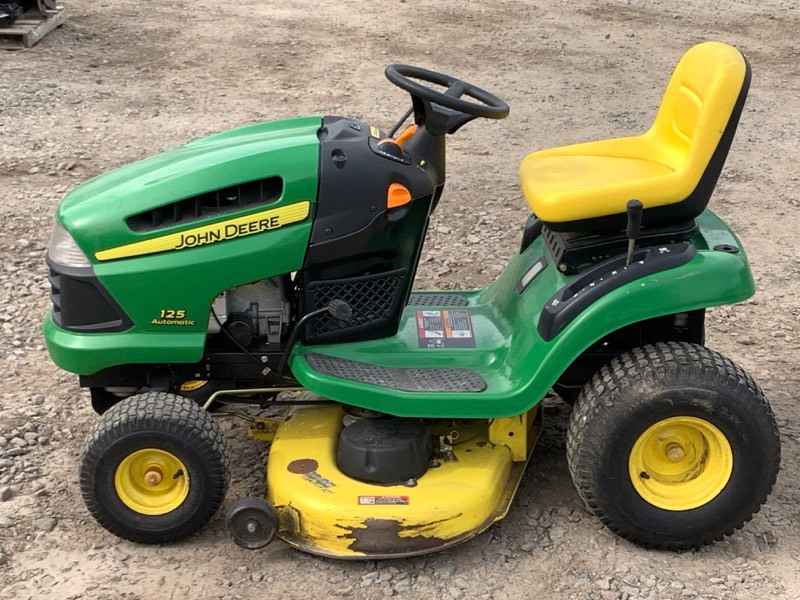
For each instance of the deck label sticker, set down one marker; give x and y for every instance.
(445, 329)
(383, 500)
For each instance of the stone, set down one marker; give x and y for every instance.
(6, 493)
(677, 585)
(632, 591)
(603, 583)
(444, 570)
(455, 592)
(45, 524)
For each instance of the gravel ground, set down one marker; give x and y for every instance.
(122, 80)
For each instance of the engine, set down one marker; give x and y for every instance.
(257, 311)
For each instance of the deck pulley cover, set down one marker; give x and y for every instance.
(385, 451)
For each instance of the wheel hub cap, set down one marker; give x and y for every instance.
(675, 452)
(151, 481)
(680, 463)
(153, 476)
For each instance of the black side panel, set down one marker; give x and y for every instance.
(374, 300)
(81, 303)
(575, 251)
(360, 251)
(571, 300)
(355, 177)
(215, 366)
(533, 229)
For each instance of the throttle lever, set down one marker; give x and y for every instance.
(634, 211)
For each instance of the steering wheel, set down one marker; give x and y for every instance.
(408, 78)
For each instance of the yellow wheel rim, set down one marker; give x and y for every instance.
(193, 385)
(151, 481)
(680, 463)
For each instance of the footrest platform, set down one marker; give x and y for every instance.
(403, 379)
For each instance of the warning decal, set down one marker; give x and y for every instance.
(391, 500)
(445, 329)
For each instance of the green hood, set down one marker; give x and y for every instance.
(95, 212)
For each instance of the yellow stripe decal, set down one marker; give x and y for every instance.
(259, 222)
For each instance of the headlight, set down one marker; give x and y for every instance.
(64, 251)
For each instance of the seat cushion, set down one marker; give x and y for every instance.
(671, 169)
(578, 187)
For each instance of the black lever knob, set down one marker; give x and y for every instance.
(340, 309)
(634, 211)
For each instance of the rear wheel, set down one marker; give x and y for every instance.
(673, 446)
(154, 468)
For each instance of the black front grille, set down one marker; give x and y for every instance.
(374, 300)
(55, 294)
(211, 204)
(81, 303)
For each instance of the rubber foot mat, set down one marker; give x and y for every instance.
(437, 300)
(406, 380)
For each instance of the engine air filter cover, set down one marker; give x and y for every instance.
(385, 451)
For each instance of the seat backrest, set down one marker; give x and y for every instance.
(697, 119)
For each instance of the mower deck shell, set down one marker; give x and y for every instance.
(324, 512)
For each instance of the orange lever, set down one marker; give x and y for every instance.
(407, 133)
(397, 195)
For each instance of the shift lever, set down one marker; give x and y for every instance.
(634, 211)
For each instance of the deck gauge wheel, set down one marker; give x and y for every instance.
(252, 522)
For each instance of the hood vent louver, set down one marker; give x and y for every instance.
(211, 204)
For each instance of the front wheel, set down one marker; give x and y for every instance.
(673, 446)
(154, 468)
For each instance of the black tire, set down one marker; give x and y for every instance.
(155, 468)
(639, 402)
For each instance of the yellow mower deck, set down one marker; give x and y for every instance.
(324, 512)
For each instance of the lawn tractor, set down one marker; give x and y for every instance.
(273, 264)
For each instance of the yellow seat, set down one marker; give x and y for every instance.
(672, 168)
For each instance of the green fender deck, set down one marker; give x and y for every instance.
(517, 365)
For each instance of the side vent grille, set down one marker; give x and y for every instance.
(211, 204)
